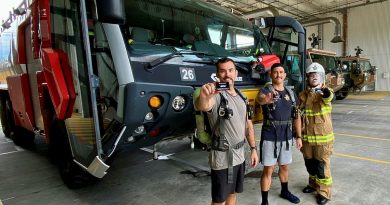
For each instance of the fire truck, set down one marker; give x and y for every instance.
(358, 73)
(92, 77)
(334, 76)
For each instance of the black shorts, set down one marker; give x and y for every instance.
(220, 189)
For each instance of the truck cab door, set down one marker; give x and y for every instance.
(79, 124)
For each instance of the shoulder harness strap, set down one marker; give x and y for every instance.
(249, 110)
(291, 94)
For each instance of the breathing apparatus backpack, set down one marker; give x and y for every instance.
(203, 128)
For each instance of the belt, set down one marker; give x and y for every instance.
(277, 122)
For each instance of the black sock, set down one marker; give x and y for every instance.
(284, 186)
(264, 196)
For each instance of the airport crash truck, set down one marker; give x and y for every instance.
(334, 77)
(91, 77)
(358, 73)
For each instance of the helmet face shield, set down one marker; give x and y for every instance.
(315, 74)
(315, 79)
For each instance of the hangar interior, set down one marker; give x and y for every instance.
(362, 23)
(170, 171)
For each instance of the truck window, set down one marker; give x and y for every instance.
(157, 27)
(65, 30)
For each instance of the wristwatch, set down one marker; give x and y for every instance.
(254, 148)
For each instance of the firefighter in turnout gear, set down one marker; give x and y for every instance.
(317, 132)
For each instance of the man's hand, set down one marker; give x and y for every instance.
(205, 100)
(254, 158)
(326, 92)
(266, 97)
(298, 143)
(208, 90)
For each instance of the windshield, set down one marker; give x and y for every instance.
(329, 62)
(160, 27)
(365, 65)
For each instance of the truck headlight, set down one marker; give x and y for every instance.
(139, 129)
(149, 116)
(178, 103)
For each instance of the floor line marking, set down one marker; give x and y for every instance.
(362, 158)
(18, 148)
(5, 153)
(365, 137)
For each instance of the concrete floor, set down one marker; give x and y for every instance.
(361, 169)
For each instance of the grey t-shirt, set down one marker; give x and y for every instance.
(234, 131)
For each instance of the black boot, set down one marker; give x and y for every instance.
(321, 199)
(308, 189)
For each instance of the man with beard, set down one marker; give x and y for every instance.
(317, 130)
(228, 117)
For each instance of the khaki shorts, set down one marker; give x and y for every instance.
(283, 156)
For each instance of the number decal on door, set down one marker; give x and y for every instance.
(187, 74)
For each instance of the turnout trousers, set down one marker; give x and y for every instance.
(317, 162)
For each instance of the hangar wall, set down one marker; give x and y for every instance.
(368, 28)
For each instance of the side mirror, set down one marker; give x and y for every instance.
(111, 11)
(261, 50)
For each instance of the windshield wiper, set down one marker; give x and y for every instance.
(162, 59)
(240, 67)
(244, 66)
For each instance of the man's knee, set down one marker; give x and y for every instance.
(267, 171)
(283, 168)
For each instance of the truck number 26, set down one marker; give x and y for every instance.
(187, 74)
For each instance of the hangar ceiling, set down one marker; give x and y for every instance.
(298, 9)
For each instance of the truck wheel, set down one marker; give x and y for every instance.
(72, 174)
(342, 94)
(7, 117)
(19, 135)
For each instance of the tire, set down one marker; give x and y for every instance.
(7, 117)
(19, 135)
(71, 173)
(342, 94)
